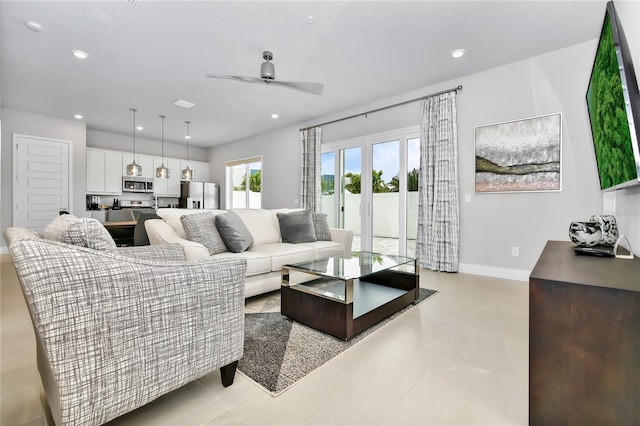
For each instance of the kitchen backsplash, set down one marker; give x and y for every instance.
(132, 201)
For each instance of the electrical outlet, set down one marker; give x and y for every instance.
(467, 198)
(515, 251)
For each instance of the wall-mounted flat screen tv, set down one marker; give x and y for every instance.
(613, 103)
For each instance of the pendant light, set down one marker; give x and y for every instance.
(187, 173)
(162, 171)
(134, 169)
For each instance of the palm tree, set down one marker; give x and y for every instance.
(378, 183)
(355, 182)
(255, 182)
(412, 181)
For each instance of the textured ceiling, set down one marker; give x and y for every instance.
(150, 55)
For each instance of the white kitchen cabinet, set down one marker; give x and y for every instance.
(167, 187)
(146, 161)
(103, 172)
(201, 170)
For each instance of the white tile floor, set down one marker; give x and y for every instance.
(460, 358)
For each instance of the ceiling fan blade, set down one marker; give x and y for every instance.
(303, 86)
(237, 78)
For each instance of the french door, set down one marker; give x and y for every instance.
(369, 185)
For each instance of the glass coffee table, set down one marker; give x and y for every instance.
(343, 296)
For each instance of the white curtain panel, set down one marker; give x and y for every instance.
(310, 178)
(437, 244)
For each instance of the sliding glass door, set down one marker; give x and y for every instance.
(370, 187)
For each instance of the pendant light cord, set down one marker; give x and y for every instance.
(162, 117)
(188, 137)
(134, 133)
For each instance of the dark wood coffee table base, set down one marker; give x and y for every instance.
(335, 317)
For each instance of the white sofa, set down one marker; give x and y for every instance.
(265, 257)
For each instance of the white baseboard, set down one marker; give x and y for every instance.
(492, 271)
(4, 250)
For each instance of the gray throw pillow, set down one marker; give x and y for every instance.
(296, 227)
(88, 232)
(233, 231)
(321, 225)
(201, 228)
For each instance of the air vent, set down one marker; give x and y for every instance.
(133, 3)
(183, 104)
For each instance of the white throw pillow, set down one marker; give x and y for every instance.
(57, 228)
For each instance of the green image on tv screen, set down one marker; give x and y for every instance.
(609, 121)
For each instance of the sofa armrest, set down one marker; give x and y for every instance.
(118, 332)
(160, 232)
(343, 236)
(164, 252)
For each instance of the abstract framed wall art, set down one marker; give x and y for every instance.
(519, 155)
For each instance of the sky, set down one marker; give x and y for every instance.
(385, 157)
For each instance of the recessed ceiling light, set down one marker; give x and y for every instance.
(274, 116)
(80, 54)
(78, 117)
(458, 53)
(139, 128)
(183, 104)
(33, 26)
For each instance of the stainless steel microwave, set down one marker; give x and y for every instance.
(137, 184)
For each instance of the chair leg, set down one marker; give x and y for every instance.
(228, 372)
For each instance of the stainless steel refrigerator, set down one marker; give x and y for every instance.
(199, 195)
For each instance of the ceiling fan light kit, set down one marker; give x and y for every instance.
(267, 69)
(268, 75)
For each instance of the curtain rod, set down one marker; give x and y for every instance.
(453, 89)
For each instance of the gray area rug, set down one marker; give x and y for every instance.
(278, 351)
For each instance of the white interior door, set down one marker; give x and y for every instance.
(41, 184)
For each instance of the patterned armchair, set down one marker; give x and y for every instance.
(117, 329)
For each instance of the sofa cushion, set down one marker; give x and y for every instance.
(296, 227)
(233, 231)
(321, 226)
(284, 253)
(324, 249)
(57, 228)
(260, 224)
(202, 229)
(90, 233)
(257, 263)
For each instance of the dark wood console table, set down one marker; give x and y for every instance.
(584, 339)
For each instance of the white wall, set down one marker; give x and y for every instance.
(28, 123)
(106, 140)
(492, 223)
(280, 153)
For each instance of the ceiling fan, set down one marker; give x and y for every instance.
(268, 74)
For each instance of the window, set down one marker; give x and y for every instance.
(244, 183)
